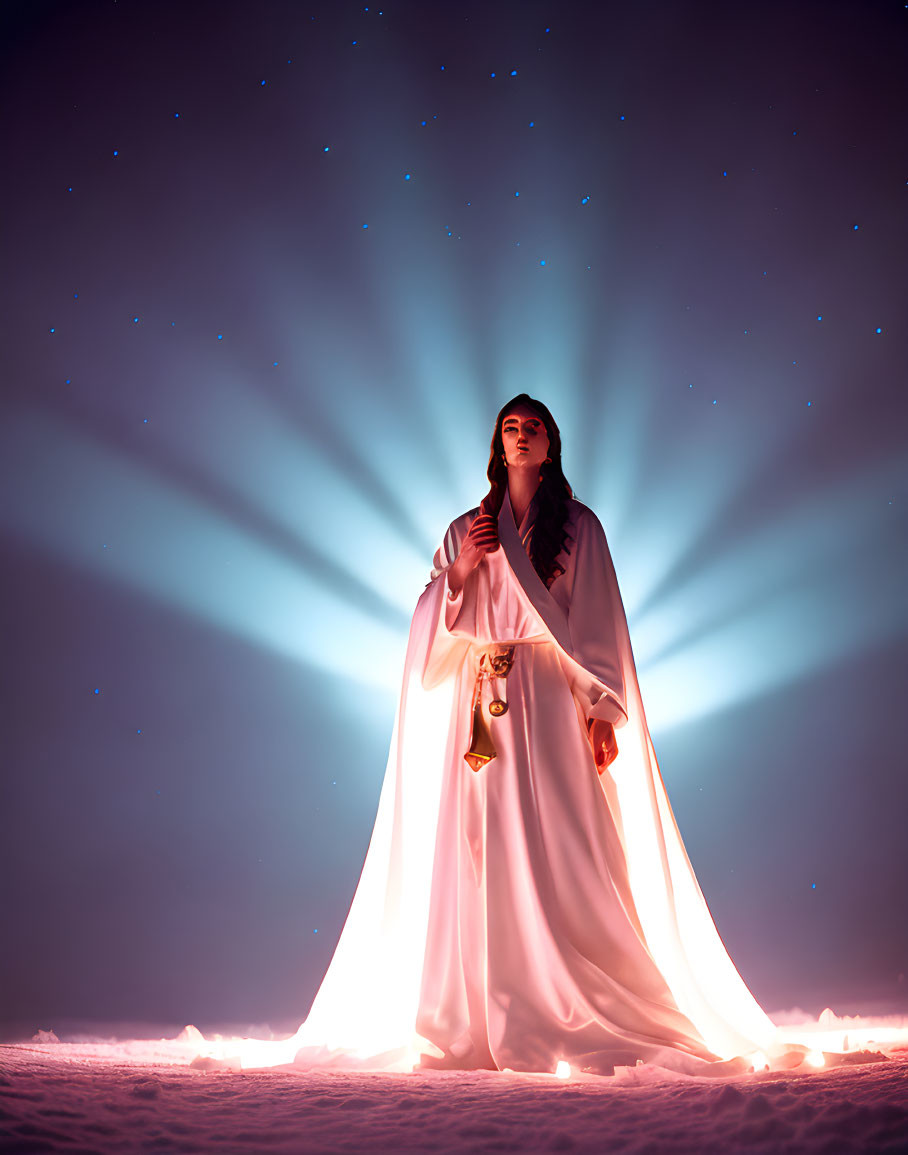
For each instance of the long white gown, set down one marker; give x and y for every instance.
(533, 911)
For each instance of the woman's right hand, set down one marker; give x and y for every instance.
(481, 539)
(603, 741)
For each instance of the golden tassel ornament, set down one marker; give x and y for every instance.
(482, 748)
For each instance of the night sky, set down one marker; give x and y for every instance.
(269, 271)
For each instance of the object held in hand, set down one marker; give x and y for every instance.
(484, 531)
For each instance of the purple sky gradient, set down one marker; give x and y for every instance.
(257, 321)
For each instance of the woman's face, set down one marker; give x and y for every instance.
(526, 443)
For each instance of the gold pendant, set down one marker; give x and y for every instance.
(497, 707)
(482, 748)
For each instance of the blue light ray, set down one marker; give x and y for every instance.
(692, 479)
(790, 635)
(438, 378)
(539, 334)
(297, 484)
(393, 438)
(99, 509)
(805, 544)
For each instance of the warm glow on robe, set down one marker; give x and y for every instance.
(366, 1009)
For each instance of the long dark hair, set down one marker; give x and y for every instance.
(550, 534)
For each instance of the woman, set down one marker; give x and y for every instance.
(526, 898)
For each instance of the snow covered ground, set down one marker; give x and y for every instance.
(95, 1098)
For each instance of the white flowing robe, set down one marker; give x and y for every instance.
(533, 911)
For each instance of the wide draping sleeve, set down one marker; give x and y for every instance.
(585, 616)
(446, 646)
(364, 1013)
(588, 592)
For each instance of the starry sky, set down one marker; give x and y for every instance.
(269, 272)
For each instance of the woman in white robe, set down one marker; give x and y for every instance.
(532, 902)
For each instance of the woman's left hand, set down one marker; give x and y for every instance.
(604, 743)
